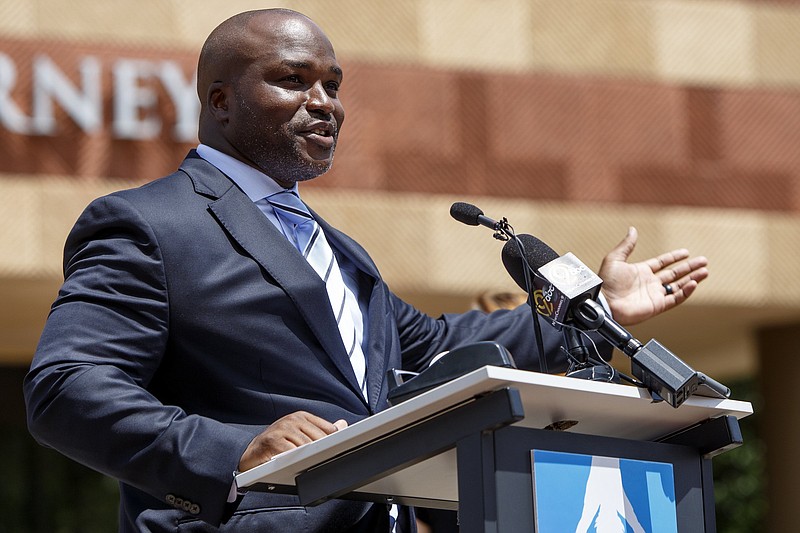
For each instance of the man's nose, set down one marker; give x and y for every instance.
(318, 99)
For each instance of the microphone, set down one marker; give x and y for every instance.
(561, 283)
(473, 216)
(534, 252)
(565, 293)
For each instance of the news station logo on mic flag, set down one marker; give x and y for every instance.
(560, 282)
(597, 494)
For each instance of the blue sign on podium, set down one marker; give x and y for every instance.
(597, 494)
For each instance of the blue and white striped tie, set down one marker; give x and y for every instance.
(308, 238)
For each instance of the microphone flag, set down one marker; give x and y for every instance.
(561, 284)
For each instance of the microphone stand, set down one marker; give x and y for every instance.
(580, 366)
(504, 232)
(537, 328)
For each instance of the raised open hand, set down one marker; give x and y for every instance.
(638, 291)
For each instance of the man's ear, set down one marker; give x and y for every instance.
(217, 98)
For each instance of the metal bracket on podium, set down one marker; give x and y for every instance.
(710, 437)
(407, 446)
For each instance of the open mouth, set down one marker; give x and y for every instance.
(320, 136)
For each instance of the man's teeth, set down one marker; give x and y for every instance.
(320, 132)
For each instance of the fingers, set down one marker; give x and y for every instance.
(680, 281)
(665, 260)
(680, 294)
(300, 428)
(673, 273)
(624, 249)
(286, 433)
(678, 274)
(688, 289)
(678, 291)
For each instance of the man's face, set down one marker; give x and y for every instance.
(284, 110)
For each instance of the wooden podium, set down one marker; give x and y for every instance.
(467, 445)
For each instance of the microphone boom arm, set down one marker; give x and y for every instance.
(590, 315)
(663, 373)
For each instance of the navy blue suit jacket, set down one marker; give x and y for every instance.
(186, 324)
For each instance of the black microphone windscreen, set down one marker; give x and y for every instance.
(465, 213)
(536, 253)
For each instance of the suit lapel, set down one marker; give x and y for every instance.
(380, 342)
(248, 226)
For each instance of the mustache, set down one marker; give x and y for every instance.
(327, 123)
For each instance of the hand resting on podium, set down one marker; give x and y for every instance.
(286, 433)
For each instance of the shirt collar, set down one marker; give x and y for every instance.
(255, 184)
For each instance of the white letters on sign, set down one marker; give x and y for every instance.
(136, 102)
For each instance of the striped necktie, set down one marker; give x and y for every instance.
(307, 236)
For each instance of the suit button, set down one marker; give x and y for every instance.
(184, 505)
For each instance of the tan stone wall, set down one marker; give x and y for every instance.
(529, 135)
(708, 42)
(572, 118)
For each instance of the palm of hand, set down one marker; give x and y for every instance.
(636, 291)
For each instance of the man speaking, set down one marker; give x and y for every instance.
(209, 320)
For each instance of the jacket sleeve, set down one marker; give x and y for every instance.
(422, 337)
(87, 390)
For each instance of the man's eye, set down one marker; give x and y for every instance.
(293, 79)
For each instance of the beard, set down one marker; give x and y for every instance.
(290, 160)
(280, 152)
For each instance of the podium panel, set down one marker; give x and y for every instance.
(501, 497)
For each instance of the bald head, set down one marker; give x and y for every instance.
(268, 84)
(237, 41)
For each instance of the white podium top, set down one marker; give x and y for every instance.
(603, 409)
